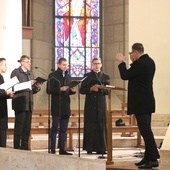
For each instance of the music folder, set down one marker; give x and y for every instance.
(40, 80)
(93, 82)
(73, 83)
(111, 87)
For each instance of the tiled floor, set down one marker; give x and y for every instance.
(123, 158)
(119, 154)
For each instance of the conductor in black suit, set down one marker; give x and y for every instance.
(141, 101)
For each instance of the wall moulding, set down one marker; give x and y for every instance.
(27, 32)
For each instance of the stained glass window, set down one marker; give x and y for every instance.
(77, 34)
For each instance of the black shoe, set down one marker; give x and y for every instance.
(53, 152)
(63, 152)
(143, 161)
(148, 165)
(100, 153)
(89, 152)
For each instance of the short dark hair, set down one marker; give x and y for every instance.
(61, 60)
(96, 59)
(138, 47)
(24, 57)
(2, 59)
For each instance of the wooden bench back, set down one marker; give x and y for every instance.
(40, 118)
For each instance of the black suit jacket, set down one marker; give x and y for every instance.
(23, 100)
(140, 86)
(3, 106)
(60, 101)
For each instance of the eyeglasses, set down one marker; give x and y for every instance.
(96, 63)
(28, 62)
(131, 52)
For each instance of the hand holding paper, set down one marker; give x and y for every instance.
(10, 93)
(10, 83)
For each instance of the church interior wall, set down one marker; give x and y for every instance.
(124, 22)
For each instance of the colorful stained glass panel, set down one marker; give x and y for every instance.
(62, 7)
(77, 61)
(77, 34)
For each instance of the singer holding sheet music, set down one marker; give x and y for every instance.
(94, 139)
(58, 87)
(22, 103)
(4, 95)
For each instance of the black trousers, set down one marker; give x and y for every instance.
(3, 138)
(22, 129)
(63, 124)
(144, 125)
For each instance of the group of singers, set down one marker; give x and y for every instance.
(141, 103)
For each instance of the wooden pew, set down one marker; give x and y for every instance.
(40, 126)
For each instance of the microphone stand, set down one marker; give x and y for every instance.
(102, 156)
(49, 113)
(79, 117)
(79, 84)
(42, 71)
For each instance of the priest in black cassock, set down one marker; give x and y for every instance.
(94, 139)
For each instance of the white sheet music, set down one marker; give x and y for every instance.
(10, 83)
(23, 86)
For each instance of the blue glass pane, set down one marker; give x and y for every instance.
(95, 33)
(95, 53)
(92, 33)
(90, 54)
(59, 32)
(61, 52)
(88, 60)
(94, 5)
(77, 61)
(61, 7)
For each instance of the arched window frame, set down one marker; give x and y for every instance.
(77, 34)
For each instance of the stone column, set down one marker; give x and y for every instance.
(10, 36)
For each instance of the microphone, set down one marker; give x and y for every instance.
(39, 68)
(42, 71)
